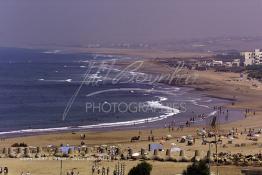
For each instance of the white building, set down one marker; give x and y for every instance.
(252, 58)
(228, 64)
(236, 63)
(217, 63)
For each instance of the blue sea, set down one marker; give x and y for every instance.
(51, 90)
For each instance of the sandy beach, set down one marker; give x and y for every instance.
(50, 167)
(140, 53)
(122, 139)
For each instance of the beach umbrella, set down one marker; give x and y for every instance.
(135, 155)
(169, 136)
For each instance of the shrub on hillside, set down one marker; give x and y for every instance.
(143, 168)
(197, 168)
(19, 145)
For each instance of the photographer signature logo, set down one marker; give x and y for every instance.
(133, 70)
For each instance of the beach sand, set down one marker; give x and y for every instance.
(122, 139)
(52, 167)
(141, 53)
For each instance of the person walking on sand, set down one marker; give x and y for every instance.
(103, 171)
(98, 171)
(107, 171)
(5, 170)
(93, 169)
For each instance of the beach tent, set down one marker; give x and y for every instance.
(135, 155)
(51, 146)
(168, 137)
(175, 149)
(189, 137)
(155, 146)
(65, 149)
(201, 132)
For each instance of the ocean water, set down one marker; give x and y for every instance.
(42, 90)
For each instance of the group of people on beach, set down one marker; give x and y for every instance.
(72, 173)
(98, 170)
(4, 170)
(248, 111)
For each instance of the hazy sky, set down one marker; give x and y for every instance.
(83, 21)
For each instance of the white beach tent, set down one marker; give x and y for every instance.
(174, 148)
(135, 155)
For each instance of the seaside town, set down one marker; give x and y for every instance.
(226, 61)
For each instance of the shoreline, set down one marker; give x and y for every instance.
(194, 87)
(105, 127)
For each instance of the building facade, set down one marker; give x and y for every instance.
(252, 58)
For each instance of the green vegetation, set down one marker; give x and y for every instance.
(143, 168)
(19, 145)
(254, 71)
(197, 168)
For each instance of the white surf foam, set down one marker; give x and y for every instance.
(96, 126)
(136, 73)
(25, 131)
(67, 80)
(212, 113)
(158, 105)
(128, 123)
(208, 101)
(154, 104)
(95, 76)
(52, 51)
(195, 102)
(162, 98)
